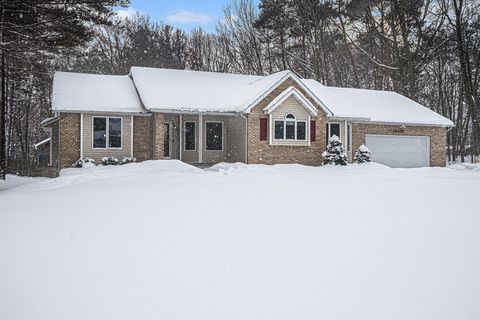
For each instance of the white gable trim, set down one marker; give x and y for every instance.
(292, 75)
(291, 92)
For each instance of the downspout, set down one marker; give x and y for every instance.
(246, 136)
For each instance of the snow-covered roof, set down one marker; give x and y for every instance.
(181, 90)
(77, 92)
(193, 91)
(375, 106)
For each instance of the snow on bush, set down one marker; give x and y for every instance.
(84, 163)
(363, 155)
(335, 153)
(127, 160)
(109, 161)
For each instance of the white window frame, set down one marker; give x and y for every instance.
(295, 120)
(339, 130)
(50, 151)
(107, 138)
(223, 136)
(184, 142)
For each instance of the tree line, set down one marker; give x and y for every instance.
(428, 50)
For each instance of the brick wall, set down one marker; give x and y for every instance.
(142, 138)
(262, 152)
(69, 128)
(438, 137)
(158, 120)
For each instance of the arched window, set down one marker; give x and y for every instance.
(290, 128)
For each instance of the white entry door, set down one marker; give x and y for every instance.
(399, 151)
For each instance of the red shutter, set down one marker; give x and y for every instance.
(313, 131)
(263, 129)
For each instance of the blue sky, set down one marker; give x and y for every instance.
(183, 14)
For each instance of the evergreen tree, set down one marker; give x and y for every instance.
(335, 153)
(363, 154)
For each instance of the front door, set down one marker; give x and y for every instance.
(167, 137)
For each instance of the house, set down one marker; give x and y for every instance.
(204, 118)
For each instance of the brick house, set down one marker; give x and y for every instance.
(205, 118)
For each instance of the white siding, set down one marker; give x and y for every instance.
(98, 154)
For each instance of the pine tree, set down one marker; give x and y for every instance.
(335, 153)
(363, 154)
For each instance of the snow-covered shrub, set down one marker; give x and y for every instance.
(109, 161)
(126, 160)
(84, 163)
(335, 153)
(363, 155)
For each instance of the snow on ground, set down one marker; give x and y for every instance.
(13, 181)
(163, 240)
(464, 166)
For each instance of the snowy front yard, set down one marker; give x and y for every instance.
(163, 240)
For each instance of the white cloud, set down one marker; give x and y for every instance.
(187, 17)
(127, 13)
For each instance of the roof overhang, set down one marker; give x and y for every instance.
(291, 92)
(411, 124)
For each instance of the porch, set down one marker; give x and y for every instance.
(204, 139)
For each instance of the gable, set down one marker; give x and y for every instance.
(290, 105)
(280, 87)
(294, 98)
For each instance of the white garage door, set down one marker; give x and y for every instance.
(399, 151)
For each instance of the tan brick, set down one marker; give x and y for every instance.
(142, 138)
(438, 137)
(69, 128)
(262, 152)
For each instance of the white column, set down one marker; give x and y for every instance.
(180, 138)
(131, 136)
(200, 138)
(81, 135)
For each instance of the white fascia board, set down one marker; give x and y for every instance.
(292, 75)
(194, 112)
(291, 91)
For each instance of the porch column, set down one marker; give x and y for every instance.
(200, 138)
(180, 138)
(158, 120)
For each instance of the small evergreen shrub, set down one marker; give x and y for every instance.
(109, 161)
(363, 155)
(84, 163)
(335, 153)
(127, 160)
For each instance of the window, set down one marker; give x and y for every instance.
(333, 129)
(99, 132)
(290, 129)
(190, 135)
(115, 133)
(349, 137)
(214, 136)
(279, 129)
(301, 130)
(107, 132)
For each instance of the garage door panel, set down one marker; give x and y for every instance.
(399, 151)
